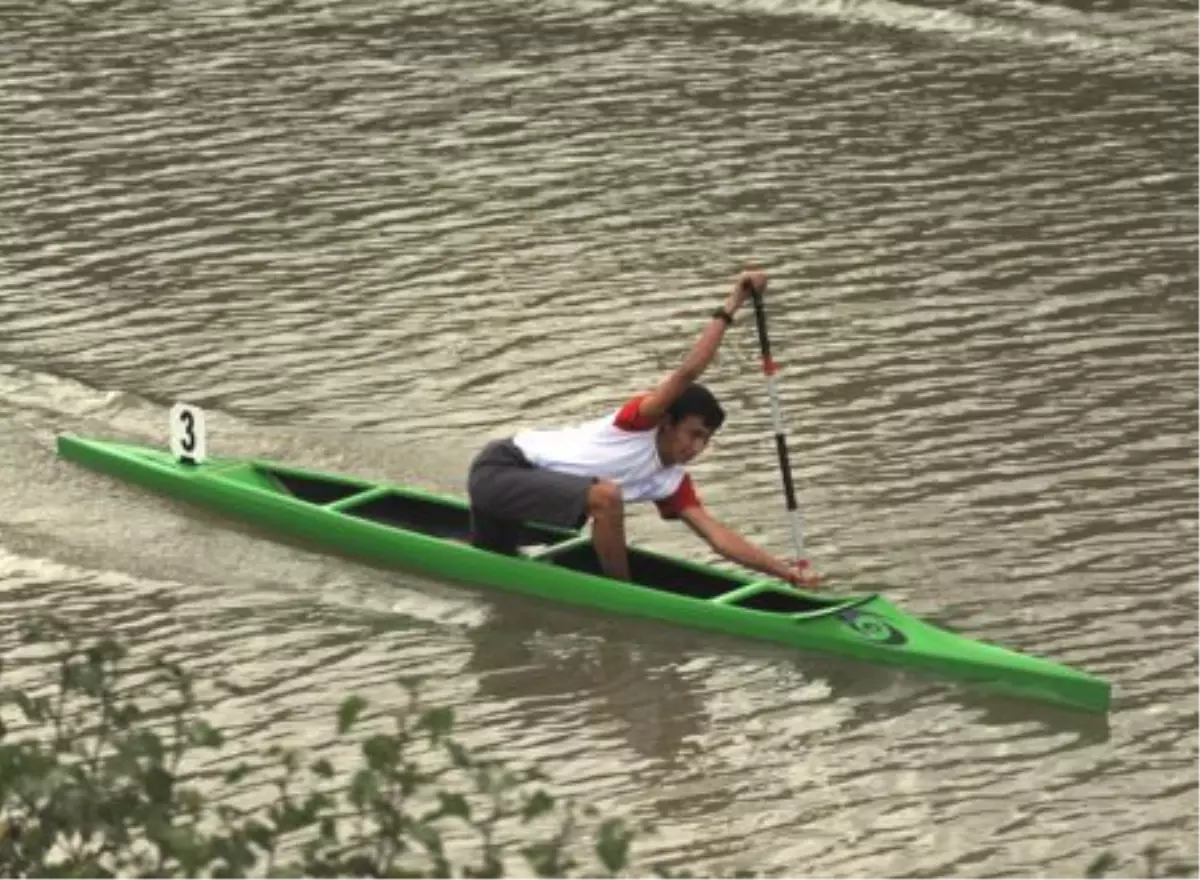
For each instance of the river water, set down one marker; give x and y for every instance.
(367, 236)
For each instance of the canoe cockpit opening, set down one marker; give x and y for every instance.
(415, 513)
(315, 490)
(650, 570)
(769, 599)
(423, 515)
(447, 520)
(666, 575)
(431, 516)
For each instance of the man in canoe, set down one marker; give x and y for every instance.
(566, 476)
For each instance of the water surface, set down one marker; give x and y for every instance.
(369, 236)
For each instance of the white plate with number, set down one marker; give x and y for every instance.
(188, 442)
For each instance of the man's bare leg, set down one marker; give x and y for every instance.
(607, 510)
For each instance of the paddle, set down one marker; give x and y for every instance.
(785, 469)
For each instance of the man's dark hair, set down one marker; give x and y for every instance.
(697, 400)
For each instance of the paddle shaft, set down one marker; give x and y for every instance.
(785, 468)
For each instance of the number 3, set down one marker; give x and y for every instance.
(187, 433)
(189, 430)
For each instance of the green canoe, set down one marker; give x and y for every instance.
(425, 532)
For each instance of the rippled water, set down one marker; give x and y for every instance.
(367, 236)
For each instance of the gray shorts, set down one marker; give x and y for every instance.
(505, 490)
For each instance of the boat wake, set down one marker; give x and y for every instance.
(1019, 22)
(66, 400)
(43, 400)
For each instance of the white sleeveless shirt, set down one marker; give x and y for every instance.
(619, 447)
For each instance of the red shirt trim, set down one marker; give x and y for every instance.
(630, 418)
(680, 500)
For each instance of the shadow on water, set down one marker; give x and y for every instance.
(880, 694)
(544, 658)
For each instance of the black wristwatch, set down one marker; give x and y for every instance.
(723, 315)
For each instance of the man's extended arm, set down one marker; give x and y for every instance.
(655, 403)
(737, 549)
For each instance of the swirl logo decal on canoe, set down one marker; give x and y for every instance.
(872, 627)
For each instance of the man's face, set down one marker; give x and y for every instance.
(682, 441)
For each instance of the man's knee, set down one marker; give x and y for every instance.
(604, 500)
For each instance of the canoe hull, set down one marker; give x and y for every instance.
(424, 532)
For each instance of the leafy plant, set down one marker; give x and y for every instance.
(97, 786)
(1152, 857)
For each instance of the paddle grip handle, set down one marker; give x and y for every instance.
(760, 319)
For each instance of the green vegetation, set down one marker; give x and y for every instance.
(1153, 865)
(103, 781)
(98, 787)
